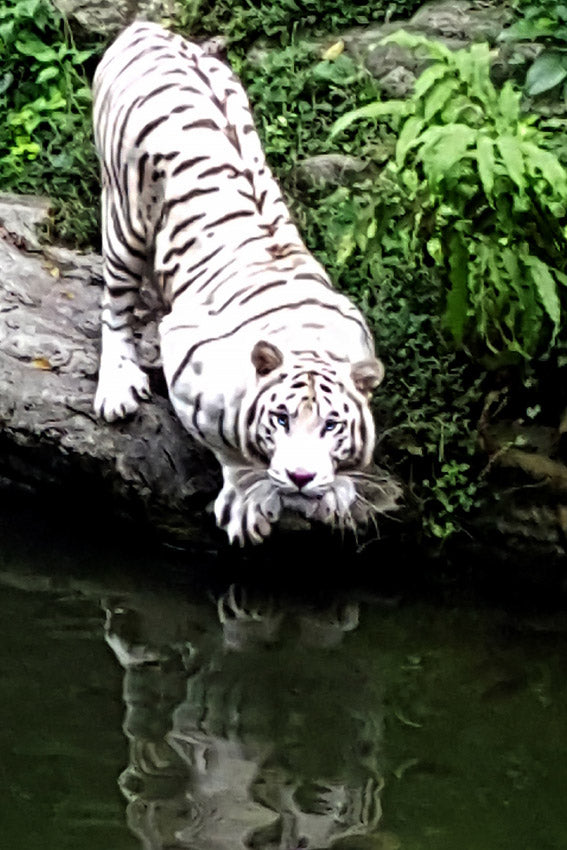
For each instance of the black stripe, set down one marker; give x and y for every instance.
(140, 255)
(188, 196)
(189, 163)
(218, 169)
(220, 105)
(254, 239)
(185, 223)
(142, 171)
(229, 217)
(117, 290)
(191, 90)
(226, 512)
(203, 77)
(201, 262)
(319, 278)
(232, 298)
(167, 156)
(157, 91)
(231, 134)
(178, 252)
(196, 410)
(149, 128)
(202, 124)
(212, 277)
(262, 289)
(222, 435)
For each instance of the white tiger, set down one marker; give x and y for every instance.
(266, 364)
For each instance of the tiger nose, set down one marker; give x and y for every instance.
(300, 477)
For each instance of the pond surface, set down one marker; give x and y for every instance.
(144, 708)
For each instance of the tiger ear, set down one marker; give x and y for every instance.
(367, 374)
(266, 357)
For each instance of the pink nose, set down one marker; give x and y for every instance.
(300, 477)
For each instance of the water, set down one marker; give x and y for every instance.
(145, 706)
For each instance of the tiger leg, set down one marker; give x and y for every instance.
(246, 513)
(335, 506)
(121, 382)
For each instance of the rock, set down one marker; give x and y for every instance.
(398, 82)
(49, 331)
(463, 20)
(332, 169)
(108, 18)
(21, 216)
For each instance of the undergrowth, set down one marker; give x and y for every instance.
(45, 134)
(244, 22)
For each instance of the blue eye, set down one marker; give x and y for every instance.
(330, 425)
(282, 420)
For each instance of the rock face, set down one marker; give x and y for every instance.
(49, 331)
(108, 18)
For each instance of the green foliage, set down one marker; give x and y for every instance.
(484, 199)
(245, 21)
(544, 22)
(296, 96)
(45, 99)
(431, 400)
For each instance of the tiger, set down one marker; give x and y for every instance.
(266, 364)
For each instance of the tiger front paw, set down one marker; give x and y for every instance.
(120, 389)
(246, 519)
(335, 506)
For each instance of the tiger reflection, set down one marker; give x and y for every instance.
(249, 736)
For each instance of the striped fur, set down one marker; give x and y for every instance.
(266, 363)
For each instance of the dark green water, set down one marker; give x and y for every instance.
(142, 708)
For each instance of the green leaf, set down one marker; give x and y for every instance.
(342, 70)
(548, 70)
(450, 147)
(509, 102)
(526, 30)
(429, 77)
(457, 298)
(438, 97)
(546, 288)
(378, 109)
(511, 153)
(78, 57)
(48, 73)
(485, 162)
(405, 39)
(538, 159)
(33, 46)
(410, 131)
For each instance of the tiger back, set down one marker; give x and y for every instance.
(265, 362)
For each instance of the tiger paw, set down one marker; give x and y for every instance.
(119, 390)
(245, 519)
(335, 506)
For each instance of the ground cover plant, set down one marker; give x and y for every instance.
(545, 23)
(45, 135)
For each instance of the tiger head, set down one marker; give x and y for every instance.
(308, 421)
